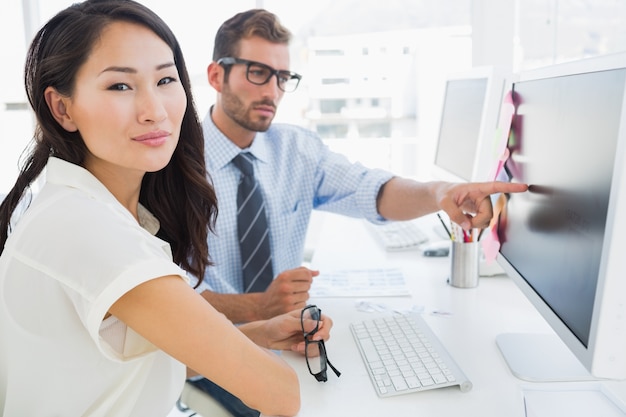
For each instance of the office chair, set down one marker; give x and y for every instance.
(194, 399)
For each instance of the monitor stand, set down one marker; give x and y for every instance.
(572, 391)
(541, 358)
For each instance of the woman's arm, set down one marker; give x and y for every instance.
(172, 316)
(285, 332)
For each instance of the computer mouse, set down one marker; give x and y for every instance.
(439, 248)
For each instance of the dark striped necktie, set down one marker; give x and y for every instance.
(254, 239)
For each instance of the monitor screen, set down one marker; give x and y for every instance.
(471, 103)
(556, 238)
(460, 126)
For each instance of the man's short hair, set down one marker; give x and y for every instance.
(254, 22)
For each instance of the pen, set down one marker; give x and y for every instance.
(480, 234)
(444, 226)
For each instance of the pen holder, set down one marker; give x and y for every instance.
(464, 262)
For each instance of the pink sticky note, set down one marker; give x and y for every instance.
(491, 241)
(491, 245)
(499, 164)
(501, 138)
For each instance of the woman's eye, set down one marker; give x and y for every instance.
(119, 87)
(167, 80)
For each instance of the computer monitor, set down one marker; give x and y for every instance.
(469, 115)
(563, 241)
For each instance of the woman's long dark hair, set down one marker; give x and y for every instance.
(180, 195)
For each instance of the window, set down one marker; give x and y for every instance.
(331, 81)
(329, 52)
(332, 131)
(388, 61)
(374, 129)
(332, 106)
(555, 31)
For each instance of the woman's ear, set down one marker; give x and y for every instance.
(57, 105)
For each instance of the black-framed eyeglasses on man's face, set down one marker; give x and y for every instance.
(315, 350)
(260, 74)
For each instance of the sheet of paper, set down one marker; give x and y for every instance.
(360, 283)
(570, 402)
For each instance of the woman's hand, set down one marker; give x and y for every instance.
(285, 332)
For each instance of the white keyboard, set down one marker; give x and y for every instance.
(402, 355)
(398, 236)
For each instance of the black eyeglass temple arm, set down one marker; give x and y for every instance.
(335, 370)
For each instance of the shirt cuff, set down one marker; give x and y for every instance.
(367, 194)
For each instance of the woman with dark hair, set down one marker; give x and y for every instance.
(96, 314)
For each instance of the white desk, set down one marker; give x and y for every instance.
(476, 316)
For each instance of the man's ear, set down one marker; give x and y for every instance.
(57, 105)
(215, 74)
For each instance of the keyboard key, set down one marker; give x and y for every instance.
(369, 350)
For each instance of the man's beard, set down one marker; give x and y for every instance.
(236, 110)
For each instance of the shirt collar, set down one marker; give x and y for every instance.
(223, 150)
(61, 172)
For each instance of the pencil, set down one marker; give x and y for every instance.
(444, 225)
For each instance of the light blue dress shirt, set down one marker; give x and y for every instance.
(297, 173)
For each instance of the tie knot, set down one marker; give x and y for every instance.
(243, 161)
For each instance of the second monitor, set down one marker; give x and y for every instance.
(469, 115)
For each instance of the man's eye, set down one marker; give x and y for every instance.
(258, 71)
